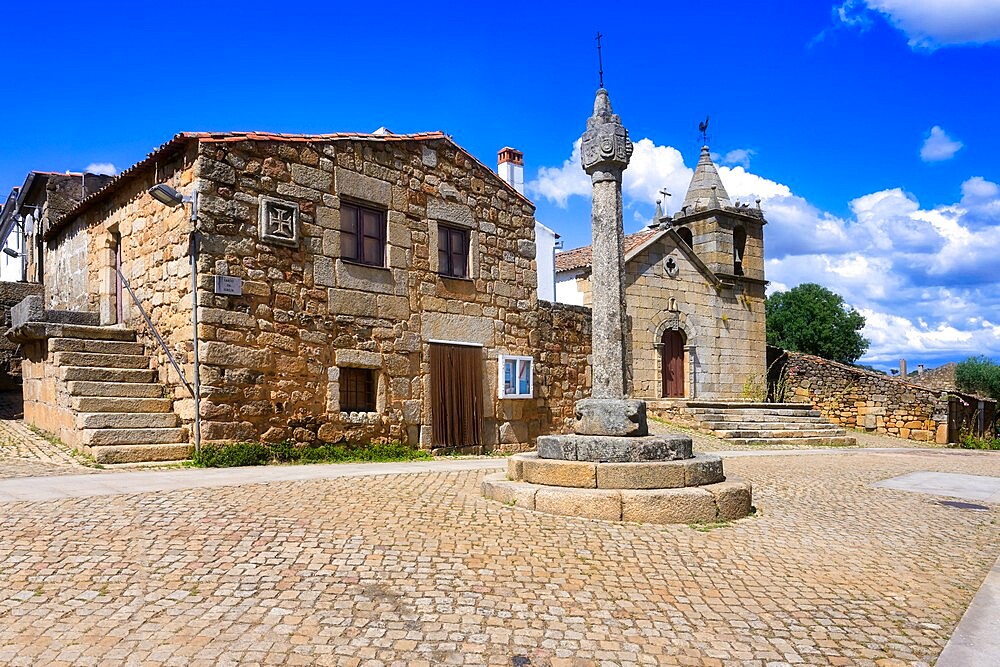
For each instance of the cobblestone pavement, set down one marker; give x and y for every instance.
(24, 453)
(418, 569)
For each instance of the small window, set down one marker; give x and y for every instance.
(453, 252)
(516, 377)
(362, 234)
(686, 236)
(357, 390)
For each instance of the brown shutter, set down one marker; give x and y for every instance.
(456, 395)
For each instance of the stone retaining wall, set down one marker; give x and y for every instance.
(872, 402)
(10, 358)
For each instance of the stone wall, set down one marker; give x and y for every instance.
(868, 401)
(10, 357)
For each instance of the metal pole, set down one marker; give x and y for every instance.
(194, 322)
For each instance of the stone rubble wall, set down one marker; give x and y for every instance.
(12, 293)
(872, 402)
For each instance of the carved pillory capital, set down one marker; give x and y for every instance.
(606, 147)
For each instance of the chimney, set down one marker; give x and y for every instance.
(920, 370)
(902, 367)
(510, 167)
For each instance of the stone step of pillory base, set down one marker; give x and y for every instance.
(614, 448)
(722, 501)
(698, 470)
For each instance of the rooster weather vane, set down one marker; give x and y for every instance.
(703, 128)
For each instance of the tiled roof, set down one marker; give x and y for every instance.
(182, 139)
(579, 258)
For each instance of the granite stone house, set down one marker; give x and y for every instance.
(694, 287)
(362, 286)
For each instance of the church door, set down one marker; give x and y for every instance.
(672, 363)
(456, 395)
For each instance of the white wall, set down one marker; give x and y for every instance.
(566, 288)
(11, 268)
(545, 253)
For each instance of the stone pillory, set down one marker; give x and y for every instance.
(606, 150)
(611, 468)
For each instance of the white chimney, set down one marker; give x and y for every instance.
(510, 167)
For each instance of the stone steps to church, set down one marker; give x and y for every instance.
(780, 435)
(771, 425)
(720, 417)
(839, 441)
(709, 413)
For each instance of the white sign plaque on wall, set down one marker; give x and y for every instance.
(229, 285)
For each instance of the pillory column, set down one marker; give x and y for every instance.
(605, 154)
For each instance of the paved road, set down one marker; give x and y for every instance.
(411, 569)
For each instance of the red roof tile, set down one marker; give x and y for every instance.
(579, 258)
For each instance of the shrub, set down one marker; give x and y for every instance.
(969, 441)
(978, 375)
(255, 453)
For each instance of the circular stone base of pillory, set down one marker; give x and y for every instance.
(652, 479)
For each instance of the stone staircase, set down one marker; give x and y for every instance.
(121, 412)
(766, 424)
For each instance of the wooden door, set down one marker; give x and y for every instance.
(456, 395)
(672, 363)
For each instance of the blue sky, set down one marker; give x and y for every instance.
(867, 127)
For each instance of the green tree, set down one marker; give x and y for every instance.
(978, 375)
(812, 319)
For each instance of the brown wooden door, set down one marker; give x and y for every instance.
(672, 363)
(456, 395)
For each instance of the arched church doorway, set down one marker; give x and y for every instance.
(672, 363)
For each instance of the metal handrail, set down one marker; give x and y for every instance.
(156, 334)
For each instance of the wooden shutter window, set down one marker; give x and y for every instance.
(453, 252)
(362, 234)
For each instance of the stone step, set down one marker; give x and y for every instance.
(121, 389)
(709, 413)
(96, 360)
(91, 374)
(766, 434)
(37, 330)
(842, 441)
(745, 418)
(114, 404)
(733, 405)
(126, 420)
(131, 436)
(135, 453)
(99, 346)
(768, 425)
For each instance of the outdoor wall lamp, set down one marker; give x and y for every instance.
(165, 194)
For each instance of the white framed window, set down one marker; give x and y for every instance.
(517, 377)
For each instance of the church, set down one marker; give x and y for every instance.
(694, 289)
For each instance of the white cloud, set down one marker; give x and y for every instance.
(101, 168)
(558, 184)
(925, 278)
(930, 24)
(939, 146)
(739, 156)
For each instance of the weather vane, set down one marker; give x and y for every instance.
(703, 128)
(600, 63)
